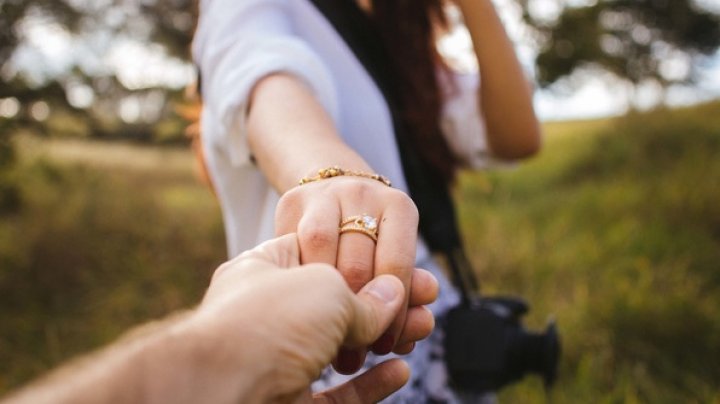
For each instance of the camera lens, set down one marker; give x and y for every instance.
(536, 353)
(486, 346)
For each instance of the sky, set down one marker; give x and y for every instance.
(49, 50)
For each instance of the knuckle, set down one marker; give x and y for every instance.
(357, 187)
(362, 189)
(406, 204)
(235, 264)
(316, 238)
(289, 207)
(356, 273)
(289, 200)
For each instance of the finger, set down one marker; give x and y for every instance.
(349, 360)
(370, 321)
(395, 255)
(355, 258)
(419, 324)
(318, 232)
(384, 344)
(288, 211)
(404, 349)
(374, 308)
(370, 387)
(423, 288)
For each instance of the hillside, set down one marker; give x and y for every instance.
(616, 231)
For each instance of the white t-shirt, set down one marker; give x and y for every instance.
(240, 41)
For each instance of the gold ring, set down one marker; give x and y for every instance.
(364, 224)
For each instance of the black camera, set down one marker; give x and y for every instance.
(486, 346)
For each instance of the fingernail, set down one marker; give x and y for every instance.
(384, 344)
(383, 289)
(348, 361)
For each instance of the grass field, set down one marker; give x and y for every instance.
(614, 230)
(107, 235)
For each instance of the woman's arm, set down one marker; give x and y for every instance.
(513, 130)
(290, 134)
(268, 95)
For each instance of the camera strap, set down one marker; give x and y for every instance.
(430, 192)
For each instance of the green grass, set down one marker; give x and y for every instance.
(98, 246)
(614, 229)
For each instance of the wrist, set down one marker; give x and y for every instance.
(294, 174)
(206, 365)
(336, 171)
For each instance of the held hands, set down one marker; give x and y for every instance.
(315, 212)
(292, 319)
(263, 332)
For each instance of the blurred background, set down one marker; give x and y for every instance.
(614, 229)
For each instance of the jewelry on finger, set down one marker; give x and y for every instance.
(364, 224)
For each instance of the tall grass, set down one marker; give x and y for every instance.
(95, 249)
(617, 232)
(614, 229)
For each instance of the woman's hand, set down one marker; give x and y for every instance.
(291, 135)
(315, 211)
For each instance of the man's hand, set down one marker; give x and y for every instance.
(263, 332)
(294, 318)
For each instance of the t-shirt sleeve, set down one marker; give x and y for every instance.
(238, 42)
(462, 122)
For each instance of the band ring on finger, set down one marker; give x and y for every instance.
(364, 224)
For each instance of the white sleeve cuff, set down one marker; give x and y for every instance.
(227, 88)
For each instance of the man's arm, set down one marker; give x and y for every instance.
(165, 361)
(243, 344)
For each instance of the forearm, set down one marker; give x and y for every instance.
(291, 135)
(166, 361)
(505, 94)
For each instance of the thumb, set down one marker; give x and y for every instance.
(375, 307)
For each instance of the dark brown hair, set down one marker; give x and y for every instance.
(408, 28)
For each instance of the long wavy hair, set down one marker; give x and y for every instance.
(409, 28)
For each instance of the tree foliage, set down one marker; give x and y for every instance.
(98, 25)
(636, 40)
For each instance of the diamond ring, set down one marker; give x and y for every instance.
(364, 224)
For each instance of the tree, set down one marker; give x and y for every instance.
(165, 23)
(636, 40)
(162, 25)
